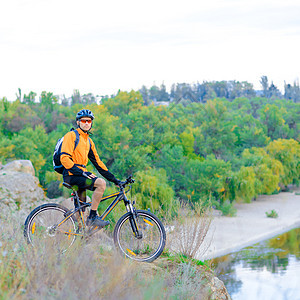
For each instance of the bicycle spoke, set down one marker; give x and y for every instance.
(42, 228)
(146, 247)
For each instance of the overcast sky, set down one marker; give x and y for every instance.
(102, 46)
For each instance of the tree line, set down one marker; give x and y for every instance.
(204, 153)
(201, 92)
(184, 93)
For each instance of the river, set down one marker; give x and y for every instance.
(267, 270)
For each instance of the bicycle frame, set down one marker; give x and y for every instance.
(138, 234)
(119, 196)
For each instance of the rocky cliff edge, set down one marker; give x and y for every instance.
(20, 191)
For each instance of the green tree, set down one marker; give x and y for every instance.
(216, 130)
(151, 126)
(145, 94)
(205, 180)
(152, 190)
(124, 102)
(292, 92)
(30, 98)
(265, 85)
(174, 162)
(17, 116)
(29, 144)
(288, 153)
(250, 132)
(109, 135)
(48, 101)
(266, 168)
(272, 117)
(76, 98)
(244, 181)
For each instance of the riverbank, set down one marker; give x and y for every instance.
(251, 225)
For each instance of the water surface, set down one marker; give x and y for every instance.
(267, 270)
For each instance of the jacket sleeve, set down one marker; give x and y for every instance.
(67, 149)
(99, 165)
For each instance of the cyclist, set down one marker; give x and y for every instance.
(74, 162)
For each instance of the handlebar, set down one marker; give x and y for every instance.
(128, 180)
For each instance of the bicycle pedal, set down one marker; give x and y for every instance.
(93, 229)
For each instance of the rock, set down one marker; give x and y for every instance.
(200, 282)
(24, 166)
(19, 189)
(218, 290)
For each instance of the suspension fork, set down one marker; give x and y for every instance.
(133, 218)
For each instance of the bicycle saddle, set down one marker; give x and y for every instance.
(67, 185)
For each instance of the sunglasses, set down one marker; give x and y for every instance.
(86, 121)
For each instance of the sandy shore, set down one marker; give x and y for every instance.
(250, 226)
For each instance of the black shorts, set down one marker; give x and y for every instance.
(81, 182)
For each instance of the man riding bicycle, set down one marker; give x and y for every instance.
(75, 161)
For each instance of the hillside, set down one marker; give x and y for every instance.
(89, 269)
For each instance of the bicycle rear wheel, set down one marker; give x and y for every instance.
(151, 243)
(45, 227)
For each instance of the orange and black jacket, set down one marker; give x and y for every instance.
(75, 161)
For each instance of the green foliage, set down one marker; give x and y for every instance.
(288, 153)
(124, 102)
(152, 126)
(272, 117)
(250, 132)
(6, 150)
(227, 209)
(272, 214)
(188, 142)
(267, 170)
(28, 144)
(48, 101)
(197, 150)
(218, 138)
(205, 180)
(54, 189)
(174, 162)
(245, 184)
(152, 190)
(18, 116)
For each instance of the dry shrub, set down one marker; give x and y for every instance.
(188, 236)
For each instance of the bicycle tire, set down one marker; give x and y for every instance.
(150, 246)
(39, 232)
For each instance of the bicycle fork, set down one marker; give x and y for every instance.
(133, 219)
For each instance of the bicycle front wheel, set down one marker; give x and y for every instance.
(151, 242)
(47, 226)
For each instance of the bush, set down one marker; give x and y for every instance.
(189, 233)
(54, 190)
(152, 190)
(272, 214)
(227, 209)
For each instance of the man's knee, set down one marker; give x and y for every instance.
(100, 183)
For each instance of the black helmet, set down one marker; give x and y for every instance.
(84, 113)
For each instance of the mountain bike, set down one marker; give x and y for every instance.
(138, 234)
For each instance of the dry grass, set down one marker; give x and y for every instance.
(87, 271)
(189, 234)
